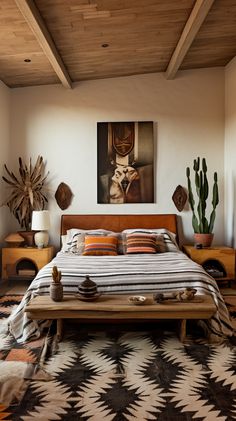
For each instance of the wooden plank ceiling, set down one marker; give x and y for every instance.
(73, 40)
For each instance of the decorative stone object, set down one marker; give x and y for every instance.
(56, 287)
(179, 198)
(87, 288)
(182, 295)
(63, 196)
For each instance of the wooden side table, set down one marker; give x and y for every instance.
(219, 262)
(24, 262)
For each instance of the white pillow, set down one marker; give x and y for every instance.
(63, 242)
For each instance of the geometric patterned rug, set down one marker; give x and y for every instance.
(230, 301)
(7, 302)
(131, 375)
(18, 362)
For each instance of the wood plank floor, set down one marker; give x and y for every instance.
(13, 287)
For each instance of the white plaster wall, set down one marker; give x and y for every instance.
(230, 152)
(61, 125)
(4, 155)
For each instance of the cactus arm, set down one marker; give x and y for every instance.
(197, 182)
(215, 201)
(192, 202)
(195, 224)
(196, 164)
(201, 204)
(212, 221)
(190, 191)
(215, 197)
(202, 190)
(205, 186)
(204, 165)
(205, 226)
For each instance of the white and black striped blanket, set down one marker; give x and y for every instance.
(140, 273)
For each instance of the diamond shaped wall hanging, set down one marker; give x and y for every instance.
(63, 196)
(179, 197)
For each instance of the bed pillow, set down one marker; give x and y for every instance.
(75, 239)
(100, 245)
(69, 243)
(140, 243)
(63, 243)
(167, 237)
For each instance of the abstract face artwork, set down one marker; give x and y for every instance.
(125, 162)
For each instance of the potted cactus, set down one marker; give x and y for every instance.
(202, 228)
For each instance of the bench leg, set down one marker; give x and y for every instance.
(182, 330)
(59, 329)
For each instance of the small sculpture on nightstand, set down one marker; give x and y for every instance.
(56, 288)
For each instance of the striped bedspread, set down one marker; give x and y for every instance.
(140, 273)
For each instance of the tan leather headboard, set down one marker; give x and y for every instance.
(118, 223)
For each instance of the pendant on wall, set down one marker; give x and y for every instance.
(179, 197)
(63, 196)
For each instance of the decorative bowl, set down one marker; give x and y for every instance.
(14, 240)
(87, 288)
(137, 300)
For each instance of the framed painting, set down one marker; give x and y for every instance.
(125, 153)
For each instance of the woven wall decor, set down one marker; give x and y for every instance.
(179, 197)
(63, 196)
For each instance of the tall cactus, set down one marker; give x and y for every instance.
(200, 223)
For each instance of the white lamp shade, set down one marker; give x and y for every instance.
(41, 223)
(40, 220)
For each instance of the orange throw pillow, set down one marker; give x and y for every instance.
(100, 246)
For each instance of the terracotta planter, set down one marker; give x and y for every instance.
(204, 239)
(28, 237)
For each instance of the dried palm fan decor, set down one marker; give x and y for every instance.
(27, 191)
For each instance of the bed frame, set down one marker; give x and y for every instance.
(118, 308)
(119, 223)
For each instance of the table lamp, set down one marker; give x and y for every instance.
(41, 223)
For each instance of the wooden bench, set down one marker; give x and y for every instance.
(117, 307)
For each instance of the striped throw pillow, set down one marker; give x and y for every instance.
(141, 243)
(100, 246)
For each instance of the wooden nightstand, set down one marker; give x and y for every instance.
(219, 262)
(24, 262)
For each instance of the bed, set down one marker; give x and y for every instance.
(125, 273)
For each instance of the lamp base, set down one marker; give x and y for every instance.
(41, 239)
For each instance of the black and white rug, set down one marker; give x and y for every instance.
(135, 375)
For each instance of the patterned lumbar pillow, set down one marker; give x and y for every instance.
(141, 243)
(100, 246)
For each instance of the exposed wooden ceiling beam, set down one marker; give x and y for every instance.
(193, 24)
(37, 25)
